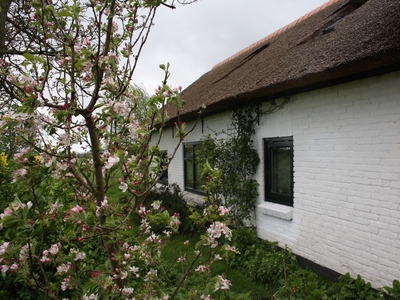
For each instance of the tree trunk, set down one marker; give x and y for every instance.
(4, 6)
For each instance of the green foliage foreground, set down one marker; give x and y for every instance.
(261, 271)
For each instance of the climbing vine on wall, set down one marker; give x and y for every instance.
(238, 159)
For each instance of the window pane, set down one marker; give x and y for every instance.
(189, 174)
(164, 165)
(199, 183)
(281, 159)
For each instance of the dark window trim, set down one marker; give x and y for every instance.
(195, 190)
(270, 196)
(164, 177)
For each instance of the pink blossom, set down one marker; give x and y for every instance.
(126, 291)
(142, 210)
(55, 248)
(232, 249)
(175, 220)
(19, 172)
(217, 257)
(21, 153)
(78, 255)
(222, 284)
(77, 209)
(98, 211)
(215, 231)
(65, 283)
(14, 267)
(222, 211)
(45, 257)
(121, 109)
(3, 248)
(201, 269)
(134, 269)
(104, 203)
(156, 204)
(54, 207)
(111, 161)
(4, 268)
(23, 252)
(7, 212)
(63, 268)
(90, 297)
(45, 159)
(182, 258)
(123, 187)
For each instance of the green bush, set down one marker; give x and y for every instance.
(349, 288)
(172, 200)
(393, 291)
(303, 283)
(266, 263)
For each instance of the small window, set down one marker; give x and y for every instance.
(192, 168)
(279, 170)
(164, 165)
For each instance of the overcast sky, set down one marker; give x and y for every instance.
(194, 38)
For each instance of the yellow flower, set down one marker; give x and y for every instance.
(3, 160)
(36, 158)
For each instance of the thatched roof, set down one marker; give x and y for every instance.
(339, 41)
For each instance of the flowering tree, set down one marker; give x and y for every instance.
(66, 68)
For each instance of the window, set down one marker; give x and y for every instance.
(193, 170)
(279, 170)
(164, 165)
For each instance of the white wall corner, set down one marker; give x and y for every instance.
(276, 210)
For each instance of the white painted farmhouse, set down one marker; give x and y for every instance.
(338, 71)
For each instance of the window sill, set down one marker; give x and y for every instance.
(194, 200)
(276, 210)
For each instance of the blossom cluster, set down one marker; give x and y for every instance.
(215, 231)
(13, 208)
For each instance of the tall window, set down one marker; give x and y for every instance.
(192, 168)
(164, 165)
(279, 170)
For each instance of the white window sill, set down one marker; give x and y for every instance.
(276, 210)
(193, 199)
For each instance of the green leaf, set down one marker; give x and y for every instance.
(65, 13)
(29, 56)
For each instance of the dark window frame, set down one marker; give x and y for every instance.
(196, 185)
(271, 144)
(164, 176)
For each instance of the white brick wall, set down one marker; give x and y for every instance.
(346, 213)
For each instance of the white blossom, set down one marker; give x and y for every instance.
(222, 284)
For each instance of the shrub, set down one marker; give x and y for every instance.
(266, 263)
(349, 288)
(172, 200)
(394, 291)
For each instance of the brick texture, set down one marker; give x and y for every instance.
(346, 213)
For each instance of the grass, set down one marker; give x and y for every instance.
(241, 282)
